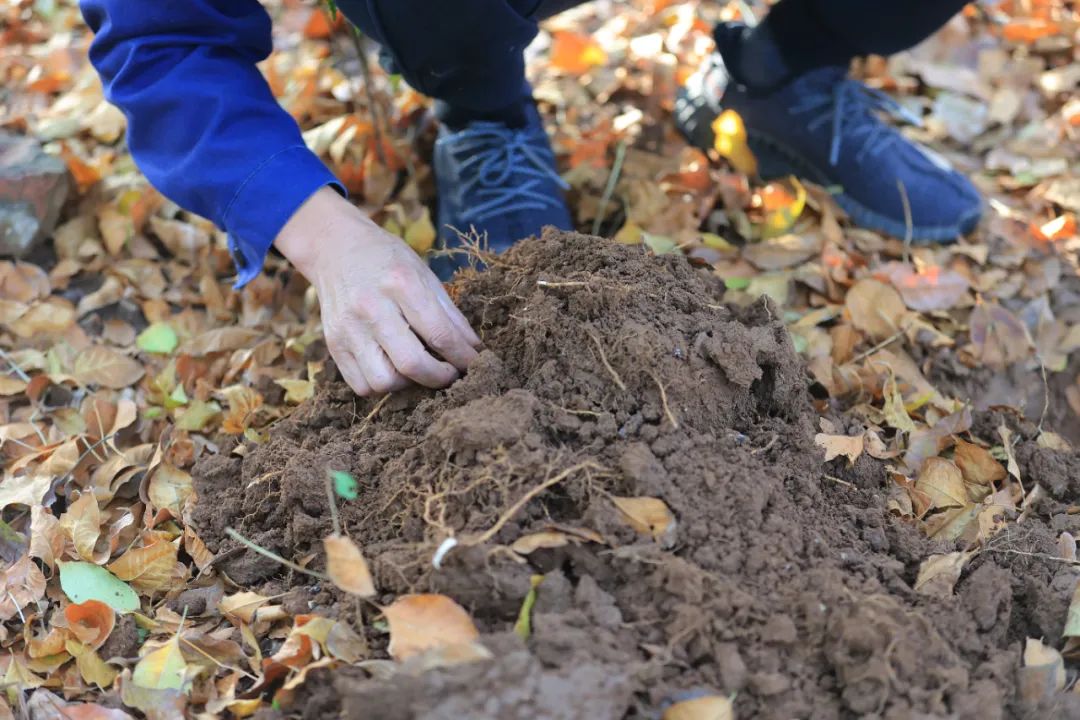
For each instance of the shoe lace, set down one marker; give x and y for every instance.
(849, 106)
(507, 169)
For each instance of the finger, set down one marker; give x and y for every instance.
(409, 356)
(377, 369)
(432, 323)
(455, 315)
(350, 371)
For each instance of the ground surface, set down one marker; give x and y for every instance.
(856, 496)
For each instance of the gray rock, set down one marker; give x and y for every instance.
(33, 187)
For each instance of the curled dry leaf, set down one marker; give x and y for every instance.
(242, 605)
(346, 566)
(90, 622)
(930, 288)
(648, 516)
(875, 308)
(943, 483)
(977, 464)
(82, 524)
(850, 446)
(423, 622)
(535, 541)
(23, 583)
(710, 707)
(1043, 673)
(1067, 547)
(938, 573)
(169, 488)
(1010, 456)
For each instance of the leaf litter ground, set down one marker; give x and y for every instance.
(632, 479)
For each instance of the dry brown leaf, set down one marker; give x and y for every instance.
(11, 385)
(938, 573)
(91, 667)
(297, 391)
(998, 338)
(875, 308)
(90, 622)
(850, 446)
(943, 482)
(931, 288)
(22, 583)
(977, 464)
(648, 516)
(48, 317)
(783, 252)
(422, 622)
(196, 548)
(169, 488)
(1053, 441)
(346, 566)
(98, 365)
(535, 541)
(1011, 464)
(81, 522)
(148, 569)
(710, 707)
(1043, 673)
(223, 339)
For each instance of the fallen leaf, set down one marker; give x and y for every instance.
(730, 141)
(28, 491)
(242, 605)
(938, 573)
(649, 516)
(223, 339)
(523, 626)
(998, 338)
(942, 481)
(575, 53)
(82, 524)
(930, 288)
(1043, 673)
(850, 446)
(346, 566)
(169, 488)
(98, 365)
(83, 581)
(710, 707)
(23, 583)
(895, 411)
(875, 308)
(91, 667)
(532, 542)
(90, 622)
(422, 622)
(345, 485)
(297, 391)
(1011, 464)
(977, 464)
(161, 669)
(784, 251)
(158, 338)
(148, 569)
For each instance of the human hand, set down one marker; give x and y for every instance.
(380, 303)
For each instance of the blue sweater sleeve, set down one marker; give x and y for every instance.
(203, 125)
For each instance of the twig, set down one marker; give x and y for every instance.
(909, 230)
(568, 283)
(513, 509)
(1046, 393)
(881, 345)
(609, 189)
(1038, 556)
(272, 555)
(14, 366)
(837, 480)
(334, 519)
(604, 360)
(371, 415)
(664, 402)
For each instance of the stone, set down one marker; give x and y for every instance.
(33, 188)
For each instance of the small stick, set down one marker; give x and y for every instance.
(334, 519)
(272, 555)
(609, 189)
(513, 509)
(663, 400)
(603, 359)
(881, 345)
(568, 283)
(841, 482)
(908, 223)
(371, 415)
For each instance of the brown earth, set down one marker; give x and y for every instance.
(785, 583)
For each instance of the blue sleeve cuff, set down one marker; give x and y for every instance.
(265, 202)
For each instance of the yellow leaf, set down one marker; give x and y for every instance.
(297, 391)
(894, 410)
(98, 365)
(93, 669)
(424, 622)
(629, 234)
(242, 605)
(162, 669)
(346, 566)
(420, 233)
(649, 516)
(82, 524)
(169, 488)
(782, 209)
(712, 707)
(149, 569)
(729, 140)
(850, 446)
(943, 483)
(11, 385)
(535, 541)
(875, 308)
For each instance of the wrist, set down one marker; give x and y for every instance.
(301, 238)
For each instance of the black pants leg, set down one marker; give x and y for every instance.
(815, 33)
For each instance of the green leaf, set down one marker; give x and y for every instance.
(198, 416)
(344, 484)
(83, 581)
(737, 283)
(523, 626)
(158, 338)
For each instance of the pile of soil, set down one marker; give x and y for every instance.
(785, 581)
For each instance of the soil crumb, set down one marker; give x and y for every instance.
(610, 373)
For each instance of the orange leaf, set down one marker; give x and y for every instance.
(319, 25)
(346, 566)
(575, 53)
(91, 622)
(424, 622)
(1060, 228)
(977, 464)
